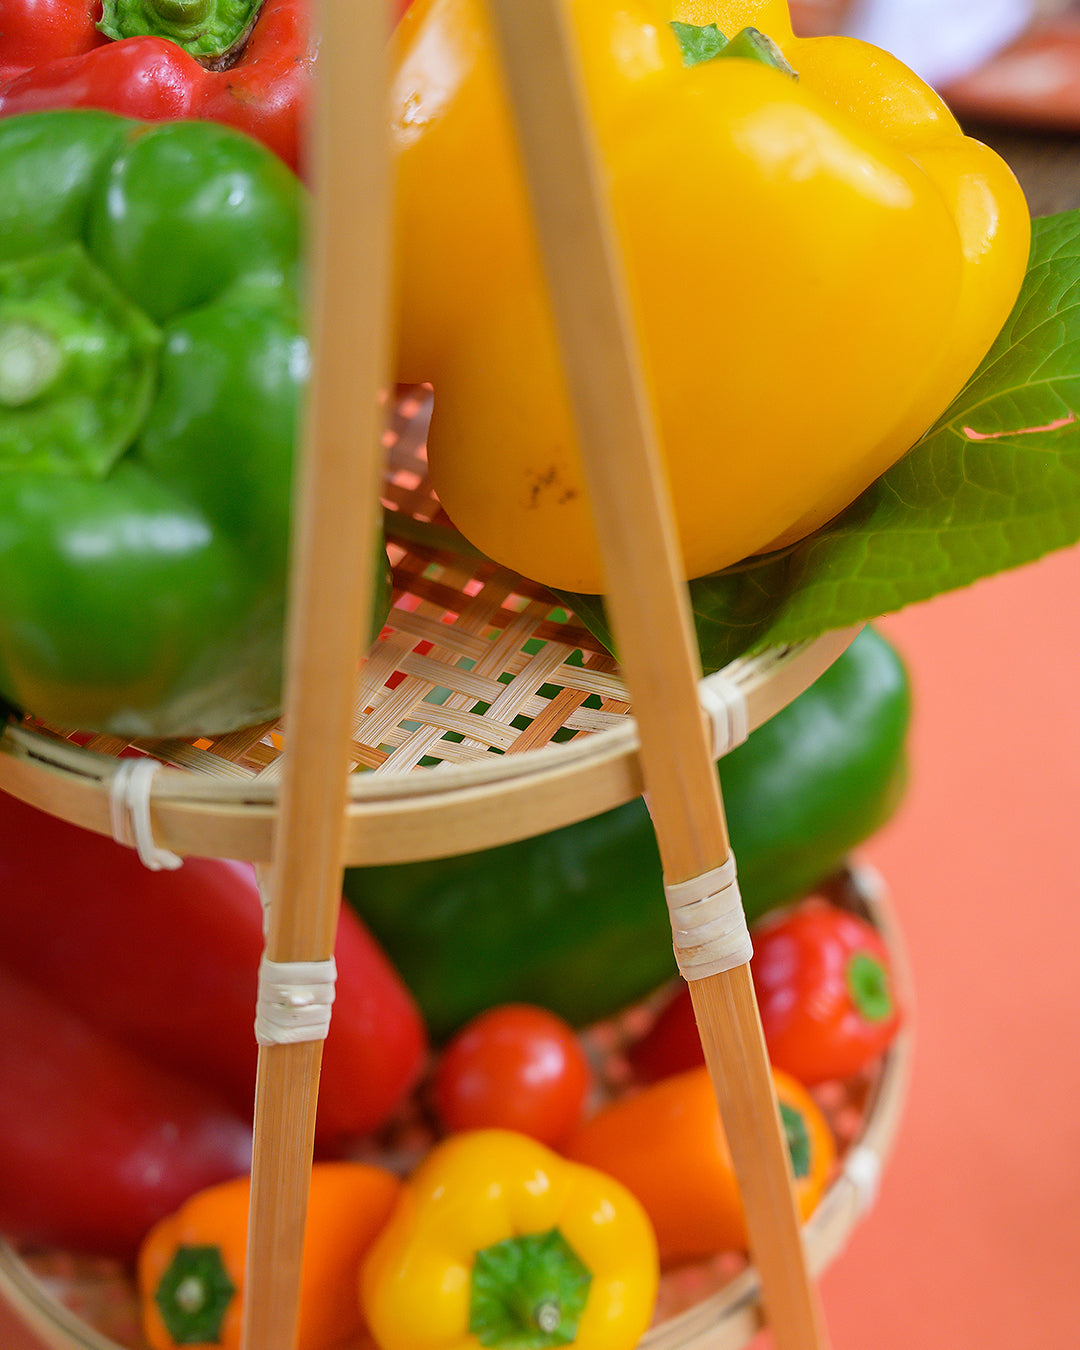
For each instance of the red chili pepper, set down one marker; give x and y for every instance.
(53, 56)
(167, 962)
(97, 1143)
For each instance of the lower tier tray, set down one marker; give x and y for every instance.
(77, 1304)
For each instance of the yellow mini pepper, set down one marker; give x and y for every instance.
(498, 1242)
(817, 259)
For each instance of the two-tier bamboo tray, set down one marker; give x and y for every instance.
(485, 712)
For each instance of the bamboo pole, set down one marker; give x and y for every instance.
(649, 611)
(330, 607)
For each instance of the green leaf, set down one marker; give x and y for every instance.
(994, 484)
(698, 42)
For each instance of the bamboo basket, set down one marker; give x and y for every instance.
(710, 1305)
(471, 721)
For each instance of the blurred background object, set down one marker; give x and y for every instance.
(1006, 62)
(941, 40)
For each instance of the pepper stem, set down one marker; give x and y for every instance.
(528, 1292)
(752, 45)
(30, 361)
(868, 985)
(194, 1295)
(705, 42)
(182, 13)
(209, 30)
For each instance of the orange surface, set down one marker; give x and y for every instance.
(974, 1238)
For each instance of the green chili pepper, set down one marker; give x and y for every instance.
(152, 363)
(575, 919)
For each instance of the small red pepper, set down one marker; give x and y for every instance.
(823, 979)
(96, 1142)
(52, 55)
(167, 962)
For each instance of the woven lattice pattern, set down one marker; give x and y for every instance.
(473, 660)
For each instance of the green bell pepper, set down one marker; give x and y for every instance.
(575, 919)
(152, 364)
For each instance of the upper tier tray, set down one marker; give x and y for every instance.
(481, 692)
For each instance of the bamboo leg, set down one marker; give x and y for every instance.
(647, 597)
(330, 604)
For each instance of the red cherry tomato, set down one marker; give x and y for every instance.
(824, 985)
(515, 1067)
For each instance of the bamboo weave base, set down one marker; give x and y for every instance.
(481, 690)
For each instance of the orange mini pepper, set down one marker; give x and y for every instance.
(666, 1144)
(191, 1264)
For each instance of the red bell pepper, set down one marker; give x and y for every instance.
(52, 55)
(167, 963)
(96, 1143)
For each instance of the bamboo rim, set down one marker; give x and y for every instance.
(725, 1320)
(213, 813)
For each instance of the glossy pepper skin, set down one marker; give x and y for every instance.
(575, 919)
(167, 964)
(191, 1264)
(52, 55)
(825, 990)
(498, 1242)
(666, 1144)
(152, 364)
(97, 1142)
(814, 266)
(824, 982)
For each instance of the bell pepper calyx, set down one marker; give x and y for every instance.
(194, 1294)
(798, 1140)
(868, 984)
(528, 1292)
(203, 28)
(705, 42)
(698, 41)
(78, 365)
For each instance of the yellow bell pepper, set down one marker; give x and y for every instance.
(815, 266)
(496, 1241)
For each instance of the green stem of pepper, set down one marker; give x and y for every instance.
(185, 14)
(528, 1292)
(705, 42)
(30, 362)
(194, 1295)
(78, 365)
(752, 45)
(868, 984)
(204, 28)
